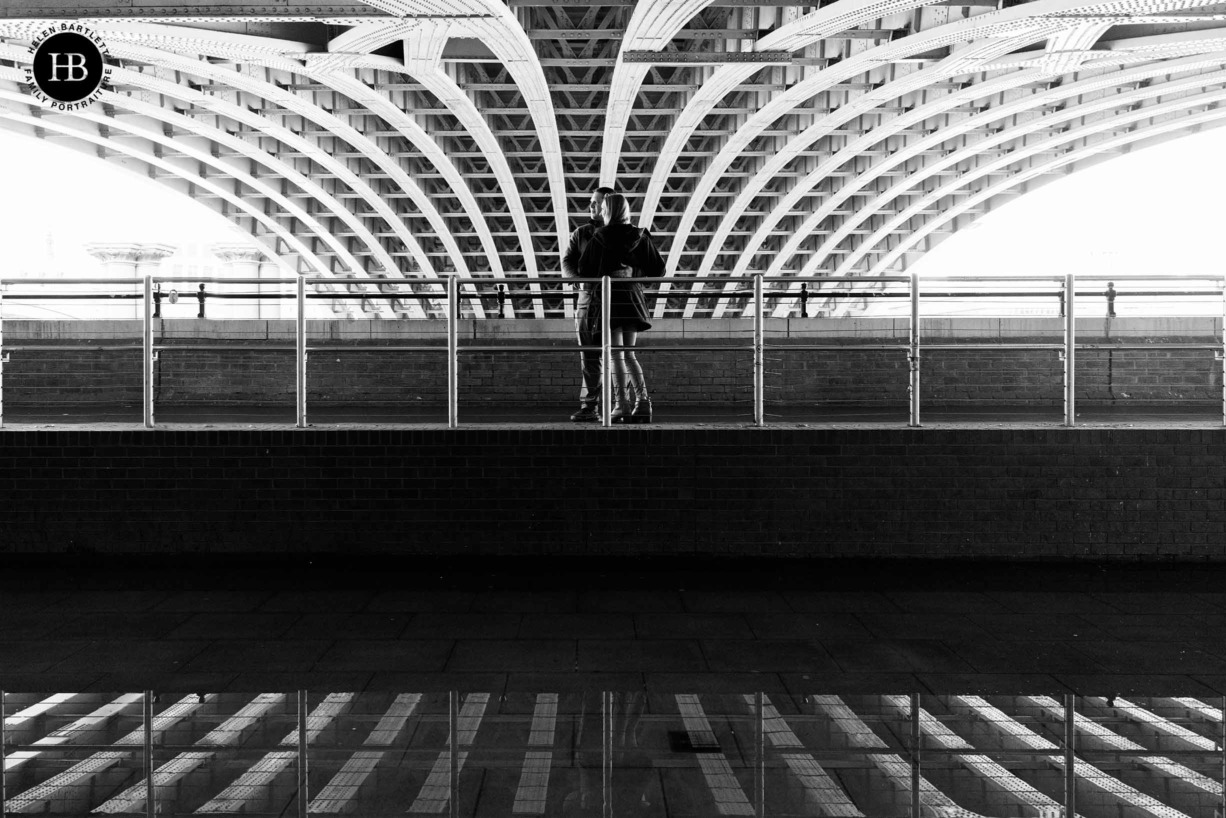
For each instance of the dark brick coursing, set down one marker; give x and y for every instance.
(784, 491)
(856, 375)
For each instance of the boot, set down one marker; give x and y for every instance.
(587, 414)
(642, 403)
(622, 403)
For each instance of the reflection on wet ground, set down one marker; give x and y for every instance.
(604, 753)
(595, 688)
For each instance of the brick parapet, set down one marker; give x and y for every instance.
(981, 493)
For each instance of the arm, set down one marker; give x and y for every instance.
(649, 263)
(570, 259)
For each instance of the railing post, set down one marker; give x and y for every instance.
(453, 787)
(2, 357)
(915, 756)
(1070, 758)
(606, 351)
(759, 354)
(759, 769)
(150, 790)
(453, 353)
(300, 353)
(1070, 350)
(606, 753)
(302, 755)
(913, 353)
(147, 344)
(4, 743)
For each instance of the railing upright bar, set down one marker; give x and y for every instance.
(453, 352)
(453, 786)
(147, 368)
(759, 354)
(606, 753)
(1070, 758)
(606, 351)
(2, 356)
(915, 757)
(1070, 351)
(4, 743)
(913, 353)
(300, 354)
(150, 790)
(759, 770)
(303, 777)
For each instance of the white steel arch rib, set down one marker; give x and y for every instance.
(295, 142)
(809, 29)
(652, 26)
(756, 168)
(1018, 21)
(1076, 36)
(961, 63)
(424, 42)
(981, 120)
(60, 124)
(285, 202)
(985, 119)
(1206, 117)
(1046, 145)
(798, 34)
(496, 26)
(289, 101)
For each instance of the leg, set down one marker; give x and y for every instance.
(621, 404)
(589, 360)
(637, 384)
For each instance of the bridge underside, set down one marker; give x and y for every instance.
(392, 143)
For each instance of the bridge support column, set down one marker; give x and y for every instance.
(130, 261)
(243, 261)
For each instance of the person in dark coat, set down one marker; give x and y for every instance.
(626, 254)
(587, 322)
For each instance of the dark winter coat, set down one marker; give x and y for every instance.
(626, 254)
(579, 240)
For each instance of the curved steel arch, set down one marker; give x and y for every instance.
(950, 67)
(977, 122)
(61, 126)
(1019, 23)
(269, 92)
(1038, 148)
(652, 26)
(536, 93)
(1215, 117)
(980, 121)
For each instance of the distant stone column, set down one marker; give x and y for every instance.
(119, 259)
(243, 261)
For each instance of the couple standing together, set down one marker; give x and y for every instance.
(608, 245)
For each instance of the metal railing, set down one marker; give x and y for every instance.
(449, 294)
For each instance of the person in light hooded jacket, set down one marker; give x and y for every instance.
(626, 254)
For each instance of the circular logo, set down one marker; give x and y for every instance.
(68, 68)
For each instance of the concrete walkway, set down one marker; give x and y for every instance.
(736, 627)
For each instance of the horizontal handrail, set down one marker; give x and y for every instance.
(450, 292)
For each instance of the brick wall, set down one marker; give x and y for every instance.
(782, 491)
(255, 363)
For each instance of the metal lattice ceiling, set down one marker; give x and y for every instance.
(404, 141)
